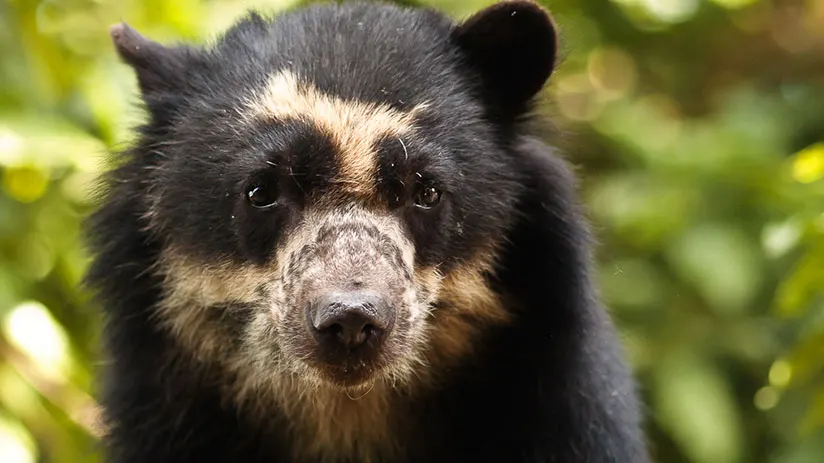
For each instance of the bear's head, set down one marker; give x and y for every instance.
(331, 189)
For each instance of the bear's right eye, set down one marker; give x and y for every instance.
(262, 194)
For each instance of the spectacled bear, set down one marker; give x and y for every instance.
(337, 239)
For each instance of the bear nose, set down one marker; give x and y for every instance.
(346, 321)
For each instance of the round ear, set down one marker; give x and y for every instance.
(158, 68)
(513, 46)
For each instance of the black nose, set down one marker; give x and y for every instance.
(346, 321)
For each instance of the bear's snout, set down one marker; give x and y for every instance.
(349, 323)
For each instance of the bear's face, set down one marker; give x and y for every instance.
(340, 221)
(330, 207)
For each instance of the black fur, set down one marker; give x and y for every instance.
(512, 45)
(550, 387)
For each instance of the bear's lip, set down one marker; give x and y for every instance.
(347, 377)
(349, 370)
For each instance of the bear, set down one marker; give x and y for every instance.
(340, 236)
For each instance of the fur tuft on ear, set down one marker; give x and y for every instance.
(513, 46)
(158, 68)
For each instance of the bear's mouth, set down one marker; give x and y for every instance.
(347, 334)
(351, 376)
(351, 370)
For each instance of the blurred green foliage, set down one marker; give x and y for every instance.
(698, 126)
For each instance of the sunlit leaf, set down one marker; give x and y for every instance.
(722, 263)
(16, 444)
(798, 289)
(815, 416)
(779, 238)
(32, 329)
(696, 405)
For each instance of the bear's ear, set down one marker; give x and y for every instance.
(513, 46)
(159, 69)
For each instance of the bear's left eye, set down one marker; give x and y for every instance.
(427, 197)
(262, 195)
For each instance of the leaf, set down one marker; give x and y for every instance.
(695, 404)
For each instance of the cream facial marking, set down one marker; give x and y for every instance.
(353, 126)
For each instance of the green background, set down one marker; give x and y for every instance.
(698, 127)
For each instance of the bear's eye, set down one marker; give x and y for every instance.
(262, 195)
(427, 197)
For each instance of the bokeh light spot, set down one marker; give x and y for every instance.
(11, 147)
(25, 184)
(16, 444)
(577, 99)
(766, 398)
(612, 71)
(808, 164)
(780, 374)
(778, 239)
(733, 4)
(661, 11)
(671, 11)
(31, 328)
